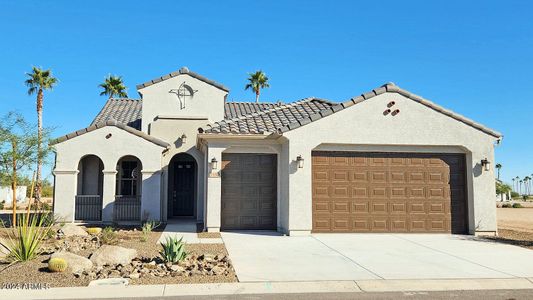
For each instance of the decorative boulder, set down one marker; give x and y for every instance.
(94, 230)
(76, 263)
(113, 255)
(73, 230)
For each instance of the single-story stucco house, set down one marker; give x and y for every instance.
(385, 161)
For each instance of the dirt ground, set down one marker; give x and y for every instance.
(518, 219)
(515, 226)
(36, 271)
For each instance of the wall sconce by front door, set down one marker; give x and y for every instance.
(485, 164)
(183, 138)
(300, 161)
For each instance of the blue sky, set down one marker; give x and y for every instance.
(474, 57)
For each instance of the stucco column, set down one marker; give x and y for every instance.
(151, 195)
(214, 190)
(484, 193)
(65, 194)
(108, 200)
(300, 191)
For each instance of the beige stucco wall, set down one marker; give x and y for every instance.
(364, 127)
(207, 102)
(120, 144)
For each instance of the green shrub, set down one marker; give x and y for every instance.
(2, 204)
(147, 229)
(108, 236)
(40, 206)
(57, 264)
(506, 205)
(517, 205)
(173, 250)
(24, 241)
(525, 197)
(515, 195)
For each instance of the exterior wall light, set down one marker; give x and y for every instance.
(183, 138)
(300, 161)
(485, 163)
(214, 163)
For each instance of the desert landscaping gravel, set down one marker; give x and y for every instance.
(36, 271)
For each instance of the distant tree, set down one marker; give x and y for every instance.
(256, 82)
(113, 86)
(527, 179)
(498, 167)
(19, 149)
(39, 80)
(502, 189)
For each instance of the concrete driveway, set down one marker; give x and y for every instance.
(268, 256)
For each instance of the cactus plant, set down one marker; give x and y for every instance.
(94, 230)
(57, 264)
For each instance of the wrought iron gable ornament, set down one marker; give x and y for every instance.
(184, 91)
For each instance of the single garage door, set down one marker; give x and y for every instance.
(249, 191)
(389, 192)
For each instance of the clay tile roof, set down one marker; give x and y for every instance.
(123, 110)
(183, 70)
(269, 120)
(234, 110)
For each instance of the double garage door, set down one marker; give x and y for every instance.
(388, 192)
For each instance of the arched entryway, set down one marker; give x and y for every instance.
(182, 183)
(88, 204)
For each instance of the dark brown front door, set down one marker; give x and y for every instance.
(183, 190)
(389, 192)
(249, 191)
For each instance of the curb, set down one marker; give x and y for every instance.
(357, 286)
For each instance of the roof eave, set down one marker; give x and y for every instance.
(183, 70)
(247, 136)
(114, 123)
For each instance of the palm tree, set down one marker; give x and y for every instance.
(527, 180)
(517, 184)
(256, 82)
(520, 189)
(514, 185)
(39, 80)
(113, 86)
(530, 183)
(498, 167)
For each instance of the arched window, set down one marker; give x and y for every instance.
(128, 176)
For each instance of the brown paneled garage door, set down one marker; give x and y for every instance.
(249, 191)
(389, 192)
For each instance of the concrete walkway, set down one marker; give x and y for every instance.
(268, 256)
(187, 229)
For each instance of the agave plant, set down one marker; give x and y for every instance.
(173, 250)
(24, 240)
